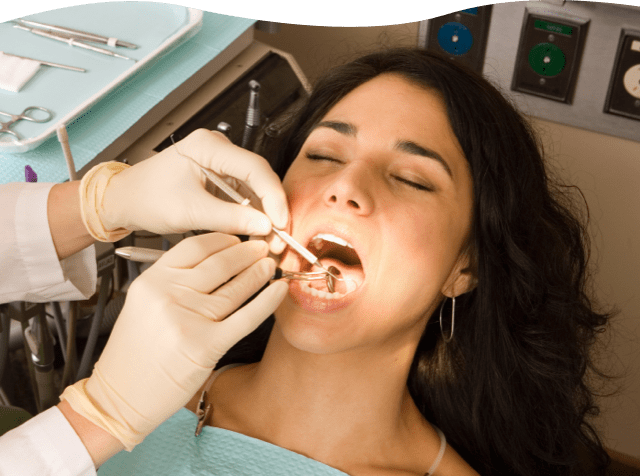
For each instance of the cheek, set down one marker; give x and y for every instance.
(297, 200)
(421, 253)
(417, 230)
(292, 182)
(300, 189)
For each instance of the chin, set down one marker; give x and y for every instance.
(311, 332)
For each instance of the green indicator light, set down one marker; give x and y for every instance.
(553, 27)
(547, 59)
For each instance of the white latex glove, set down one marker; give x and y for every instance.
(166, 193)
(173, 330)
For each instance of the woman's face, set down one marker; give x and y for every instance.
(384, 172)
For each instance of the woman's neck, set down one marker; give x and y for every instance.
(321, 405)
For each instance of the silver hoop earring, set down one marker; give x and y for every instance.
(453, 319)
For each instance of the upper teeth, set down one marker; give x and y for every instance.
(328, 237)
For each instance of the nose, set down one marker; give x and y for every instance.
(351, 191)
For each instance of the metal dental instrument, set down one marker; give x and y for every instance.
(252, 121)
(225, 128)
(77, 34)
(311, 276)
(148, 255)
(48, 63)
(141, 255)
(71, 41)
(24, 116)
(236, 197)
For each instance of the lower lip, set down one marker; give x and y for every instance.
(315, 304)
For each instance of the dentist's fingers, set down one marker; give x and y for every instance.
(191, 252)
(219, 268)
(214, 151)
(248, 318)
(276, 244)
(208, 212)
(230, 296)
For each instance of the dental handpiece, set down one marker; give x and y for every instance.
(149, 255)
(252, 121)
(236, 197)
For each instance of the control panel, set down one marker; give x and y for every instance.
(623, 97)
(549, 54)
(570, 62)
(462, 35)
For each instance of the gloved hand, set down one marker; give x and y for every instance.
(172, 331)
(166, 193)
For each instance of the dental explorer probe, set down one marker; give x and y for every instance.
(72, 42)
(236, 197)
(77, 34)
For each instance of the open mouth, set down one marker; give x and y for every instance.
(338, 255)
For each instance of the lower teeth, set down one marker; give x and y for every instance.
(351, 286)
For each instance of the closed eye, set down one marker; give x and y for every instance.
(417, 186)
(409, 183)
(319, 157)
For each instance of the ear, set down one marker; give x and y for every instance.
(463, 277)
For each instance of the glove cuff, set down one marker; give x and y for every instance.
(92, 188)
(83, 404)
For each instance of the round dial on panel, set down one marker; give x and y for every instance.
(455, 38)
(631, 81)
(547, 59)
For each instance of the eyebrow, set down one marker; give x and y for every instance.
(415, 149)
(404, 145)
(341, 127)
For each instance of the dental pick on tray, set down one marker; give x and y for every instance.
(77, 34)
(71, 40)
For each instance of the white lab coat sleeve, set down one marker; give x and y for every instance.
(45, 445)
(29, 266)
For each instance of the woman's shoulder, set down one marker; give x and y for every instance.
(433, 452)
(453, 465)
(450, 463)
(421, 450)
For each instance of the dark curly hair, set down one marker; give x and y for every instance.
(511, 390)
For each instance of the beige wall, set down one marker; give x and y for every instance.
(607, 169)
(317, 48)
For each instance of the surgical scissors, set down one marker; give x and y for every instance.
(24, 116)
